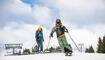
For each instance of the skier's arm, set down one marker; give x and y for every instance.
(65, 29)
(42, 37)
(51, 34)
(36, 36)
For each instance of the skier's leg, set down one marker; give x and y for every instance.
(38, 45)
(41, 43)
(66, 45)
(61, 44)
(67, 48)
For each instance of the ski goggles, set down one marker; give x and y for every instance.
(58, 23)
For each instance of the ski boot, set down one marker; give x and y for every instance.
(68, 53)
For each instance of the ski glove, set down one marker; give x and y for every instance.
(67, 31)
(51, 35)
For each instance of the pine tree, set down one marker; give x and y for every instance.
(26, 51)
(87, 50)
(51, 49)
(91, 50)
(58, 48)
(99, 49)
(103, 46)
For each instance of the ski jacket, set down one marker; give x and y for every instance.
(60, 30)
(39, 36)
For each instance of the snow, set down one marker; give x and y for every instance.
(56, 56)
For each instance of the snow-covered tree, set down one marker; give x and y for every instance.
(100, 44)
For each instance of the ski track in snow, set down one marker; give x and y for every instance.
(56, 56)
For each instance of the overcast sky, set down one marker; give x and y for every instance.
(19, 19)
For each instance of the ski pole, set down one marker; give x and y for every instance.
(34, 45)
(73, 42)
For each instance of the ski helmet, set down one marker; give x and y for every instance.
(58, 21)
(39, 28)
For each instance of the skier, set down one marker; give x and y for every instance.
(60, 31)
(39, 39)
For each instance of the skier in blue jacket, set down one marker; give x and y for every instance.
(39, 39)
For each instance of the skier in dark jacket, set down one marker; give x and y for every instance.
(60, 31)
(39, 39)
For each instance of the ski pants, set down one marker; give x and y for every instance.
(63, 44)
(40, 45)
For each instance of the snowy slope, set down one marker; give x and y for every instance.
(56, 56)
